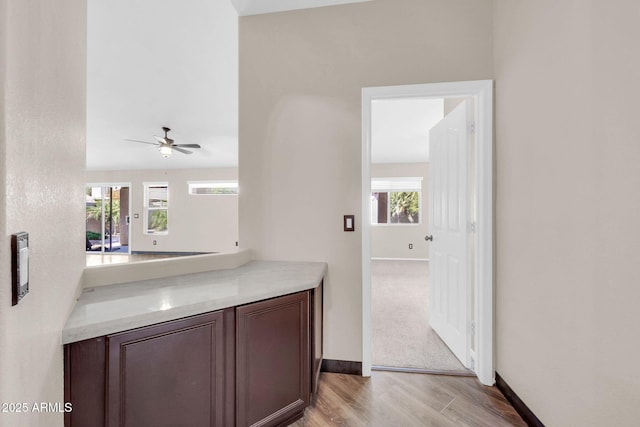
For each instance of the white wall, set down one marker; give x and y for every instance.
(196, 223)
(392, 241)
(42, 156)
(301, 76)
(567, 291)
(567, 204)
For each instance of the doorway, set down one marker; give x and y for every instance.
(107, 218)
(409, 333)
(480, 316)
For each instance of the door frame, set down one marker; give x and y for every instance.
(115, 184)
(482, 93)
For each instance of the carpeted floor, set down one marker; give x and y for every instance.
(401, 333)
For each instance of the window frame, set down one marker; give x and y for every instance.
(218, 183)
(148, 209)
(391, 185)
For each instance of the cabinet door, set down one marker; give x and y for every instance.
(84, 382)
(272, 360)
(171, 374)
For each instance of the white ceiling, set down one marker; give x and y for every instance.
(400, 129)
(154, 63)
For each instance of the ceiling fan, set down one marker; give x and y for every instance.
(166, 144)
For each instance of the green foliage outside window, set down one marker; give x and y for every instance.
(111, 213)
(158, 220)
(405, 207)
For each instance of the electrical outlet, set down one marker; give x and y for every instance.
(155, 243)
(410, 245)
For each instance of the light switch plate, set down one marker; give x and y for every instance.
(349, 223)
(19, 266)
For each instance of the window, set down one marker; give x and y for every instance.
(213, 188)
(156, 197)
(396, 200)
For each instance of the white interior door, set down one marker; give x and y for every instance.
(448, 218)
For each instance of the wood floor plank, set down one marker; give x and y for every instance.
(406, 399)
(462, 414)
(477, 404)
(405, 403)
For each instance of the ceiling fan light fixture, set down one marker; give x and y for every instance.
(165, 150)
(166, 145)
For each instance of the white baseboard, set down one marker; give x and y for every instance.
(400, 259)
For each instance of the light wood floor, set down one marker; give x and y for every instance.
(390, 399)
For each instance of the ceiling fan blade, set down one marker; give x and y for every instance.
(161, 139)
(182, 150)
(187, 145)
(142, 142)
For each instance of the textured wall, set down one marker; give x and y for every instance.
(42, 175)
(301, 75)
(567, 208)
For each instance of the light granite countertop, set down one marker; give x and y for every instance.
(115, 308)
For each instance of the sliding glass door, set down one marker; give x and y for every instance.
(107, 208)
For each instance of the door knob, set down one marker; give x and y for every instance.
(428, 238)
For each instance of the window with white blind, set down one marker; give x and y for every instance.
(396, 200)
(213, 188)
(156, 205)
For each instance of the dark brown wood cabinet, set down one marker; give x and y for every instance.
(171, 374)
(273, 369)
(168, 375)
(255, 364)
